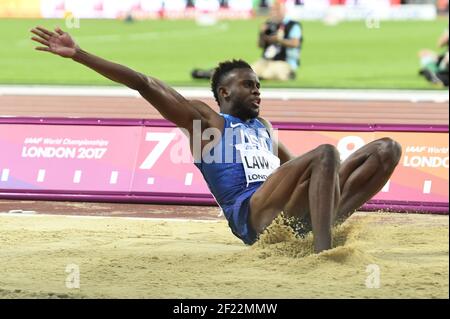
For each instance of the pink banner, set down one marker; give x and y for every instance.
(422, 174)
(164, 164)
(156, 161)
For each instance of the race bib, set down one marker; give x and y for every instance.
(258, 164)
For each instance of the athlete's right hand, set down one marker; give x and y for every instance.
(58, 42)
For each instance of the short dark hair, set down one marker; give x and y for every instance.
(222, 70)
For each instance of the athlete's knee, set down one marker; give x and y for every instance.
(389, 152)
(328, 155)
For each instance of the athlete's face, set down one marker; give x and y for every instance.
(242, 93)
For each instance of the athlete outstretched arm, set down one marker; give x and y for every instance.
(172, 106)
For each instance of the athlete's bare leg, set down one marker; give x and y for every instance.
(365, 173)
(311, 179)
(314, 184)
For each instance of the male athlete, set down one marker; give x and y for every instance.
(315, 186)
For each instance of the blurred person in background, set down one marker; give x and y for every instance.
(435, 66)
(281, 40)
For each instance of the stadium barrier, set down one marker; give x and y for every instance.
(149, 161)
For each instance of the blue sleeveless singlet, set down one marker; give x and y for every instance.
(236, 167)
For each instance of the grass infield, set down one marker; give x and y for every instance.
(349, 55)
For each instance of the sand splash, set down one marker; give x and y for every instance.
(282, 238)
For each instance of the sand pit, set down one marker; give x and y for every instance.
(146, 258)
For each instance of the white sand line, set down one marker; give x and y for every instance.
(177, 220)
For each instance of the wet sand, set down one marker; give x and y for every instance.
(148, 258)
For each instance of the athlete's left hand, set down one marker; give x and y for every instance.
(58, 42)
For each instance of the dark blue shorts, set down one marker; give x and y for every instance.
(238, 218)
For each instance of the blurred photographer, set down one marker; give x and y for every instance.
(281, 40)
